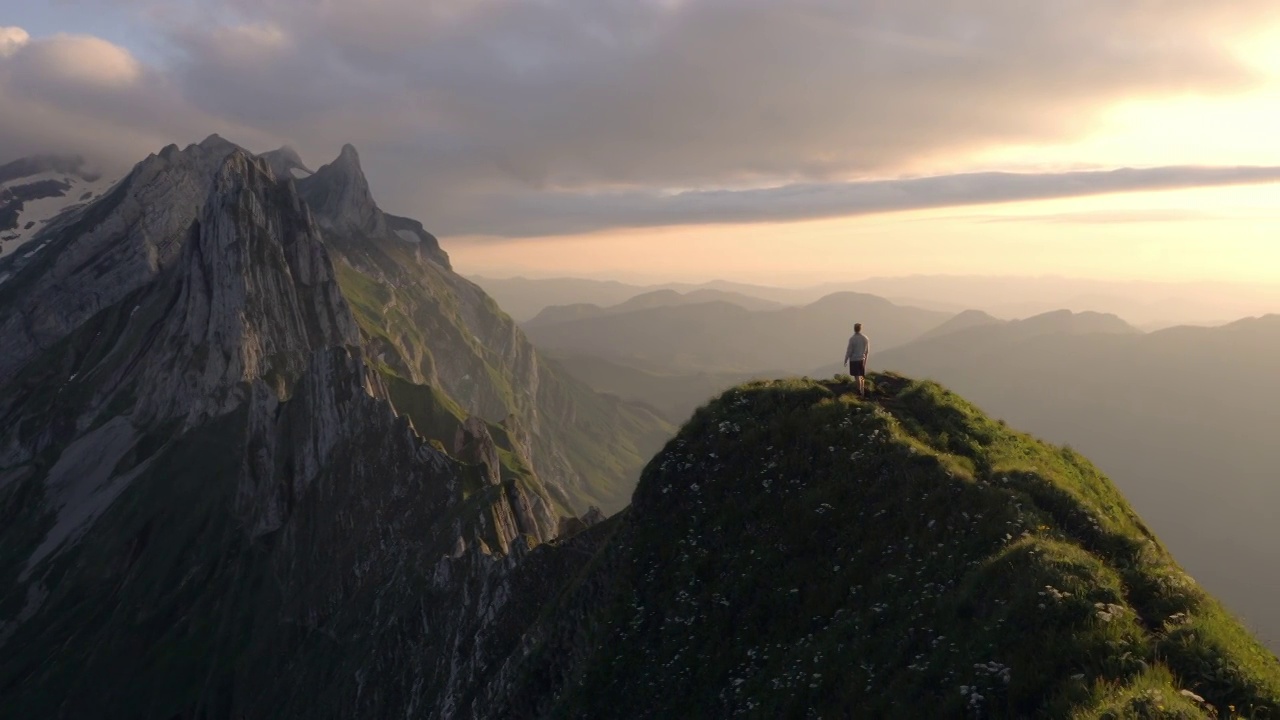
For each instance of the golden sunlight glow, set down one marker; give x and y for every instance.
(1202, 234)
(1185, 130)
(1226, 233)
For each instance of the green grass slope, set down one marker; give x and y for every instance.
(799, 552)
(674, 396)
(428, 327)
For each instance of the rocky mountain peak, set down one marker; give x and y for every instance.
(339, 194)
(216, 142)
(472, 443)
(349, 156)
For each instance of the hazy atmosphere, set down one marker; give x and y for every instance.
(639, 358)
(776, 143)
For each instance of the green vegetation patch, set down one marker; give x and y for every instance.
(799, 551)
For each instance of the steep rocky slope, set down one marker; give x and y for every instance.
(427, 326)
(206, 485)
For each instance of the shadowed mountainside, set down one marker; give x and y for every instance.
(653, 299)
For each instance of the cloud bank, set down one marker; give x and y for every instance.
(510, 117)
(552, 213)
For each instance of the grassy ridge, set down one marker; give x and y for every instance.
(797, 551)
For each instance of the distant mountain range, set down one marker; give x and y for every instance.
(673, 395)
(725, 337)
(653, 299)
(1148, 305)
(525, 298)
(1182, 419)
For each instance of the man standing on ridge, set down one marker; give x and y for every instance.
(856, 356)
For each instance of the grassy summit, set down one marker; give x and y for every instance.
(796, 551)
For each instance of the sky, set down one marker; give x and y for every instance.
(778, 142)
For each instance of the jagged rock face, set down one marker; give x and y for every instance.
(98, 255)
(208, 456)
(570, 526)
(340, 195)
(255, 295)
(432, 327)
(249, 296)
(520, 512)
(593, 516)
(472, 443)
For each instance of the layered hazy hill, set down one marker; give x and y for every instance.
(525, 298)
(1149, 305)
(724, 337)
(796, 551)
(654, 299)
(673, 394)
(1183, 419)
(968, 331)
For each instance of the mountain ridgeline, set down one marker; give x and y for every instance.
(797, 551)
(264, 454)
(234, 422)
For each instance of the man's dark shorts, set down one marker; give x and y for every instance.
(858, 368)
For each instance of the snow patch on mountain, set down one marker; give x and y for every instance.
(35, 214)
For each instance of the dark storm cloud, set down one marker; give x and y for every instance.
(483, 114)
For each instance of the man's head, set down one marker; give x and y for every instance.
(857, 327)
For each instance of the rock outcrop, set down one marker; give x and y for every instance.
(339, 194)
(105, 251)
(473, 444)
(430, 326)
